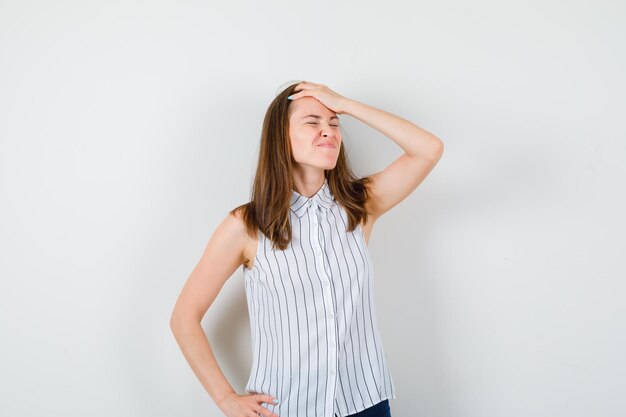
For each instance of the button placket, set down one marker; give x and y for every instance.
(318, 214)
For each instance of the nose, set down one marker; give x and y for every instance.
(327, 130)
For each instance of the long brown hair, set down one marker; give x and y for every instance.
(270, 198)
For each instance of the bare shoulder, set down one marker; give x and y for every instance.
(223, 254)
(247, 243)
(231, 237)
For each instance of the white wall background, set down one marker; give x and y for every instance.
(128, 129)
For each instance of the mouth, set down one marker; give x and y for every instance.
(327, 145)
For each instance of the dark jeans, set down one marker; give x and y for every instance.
(380, 409)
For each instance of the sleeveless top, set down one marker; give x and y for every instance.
(315, 338)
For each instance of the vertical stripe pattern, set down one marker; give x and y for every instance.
(315, 338)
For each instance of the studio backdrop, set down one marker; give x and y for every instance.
(129, 129)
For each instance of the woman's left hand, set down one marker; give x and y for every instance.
(323, 94)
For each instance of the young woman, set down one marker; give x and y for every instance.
(302, 244)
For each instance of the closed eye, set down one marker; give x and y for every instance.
(314, 123)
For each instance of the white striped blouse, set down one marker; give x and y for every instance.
(315, 339)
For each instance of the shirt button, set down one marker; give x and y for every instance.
(326, 283)
(330, 316)
(332, 372)
(332, 345)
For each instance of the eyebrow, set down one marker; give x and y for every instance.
(319, 117)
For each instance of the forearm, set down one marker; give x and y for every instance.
(197, 351)
(414, 140)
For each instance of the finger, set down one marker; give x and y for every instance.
(307, 85)
(301, 87)
(265, 412)
(296, 96)
(267, 399)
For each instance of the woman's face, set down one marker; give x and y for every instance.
(314, 133)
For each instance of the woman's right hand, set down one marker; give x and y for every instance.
(236, 405)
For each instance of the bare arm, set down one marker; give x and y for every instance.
(422, 151)
(221, 258)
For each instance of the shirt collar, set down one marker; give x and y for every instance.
(323, 198)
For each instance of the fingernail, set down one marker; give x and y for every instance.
(290, 97)
(275, 400)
